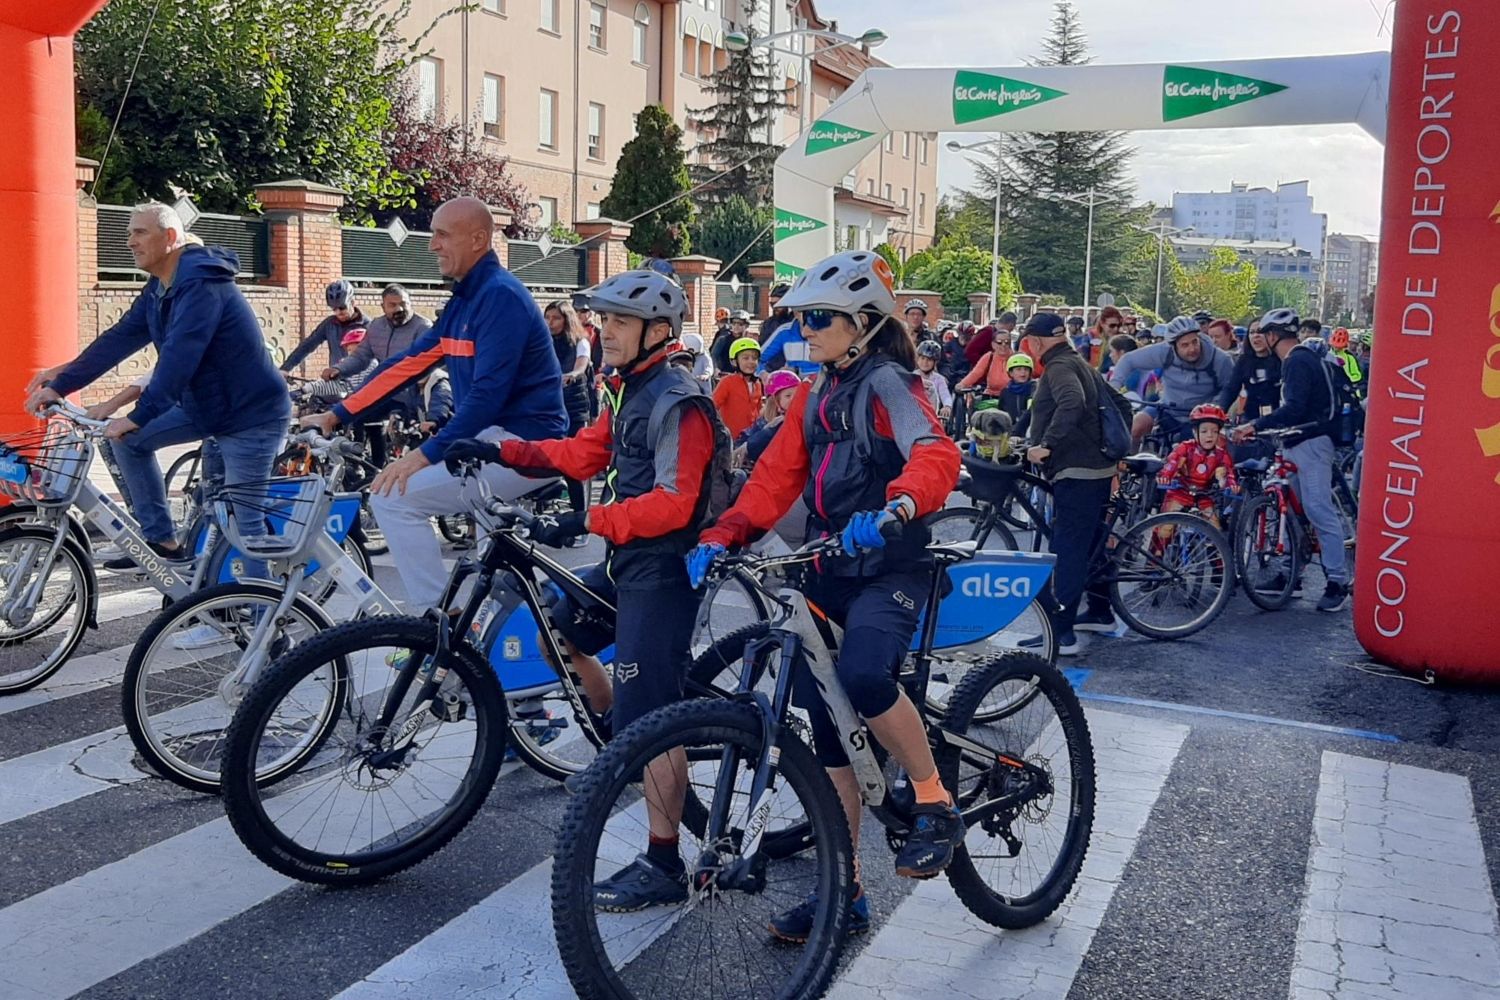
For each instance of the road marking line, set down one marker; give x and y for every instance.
(1398, 902)
(932, 947)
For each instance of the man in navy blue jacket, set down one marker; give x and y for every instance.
(506, 383)
(213, 376)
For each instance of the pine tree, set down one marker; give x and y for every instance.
(651, 170)
(746, 99)
(1045, 236)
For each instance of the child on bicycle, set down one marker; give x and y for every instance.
(865, 451)
(1196, 467)
(939, 393)
(780, 387)
(655, 496)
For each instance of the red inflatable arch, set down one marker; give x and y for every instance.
(1429, 537)
(39, 256)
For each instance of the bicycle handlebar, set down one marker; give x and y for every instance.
(77, 414)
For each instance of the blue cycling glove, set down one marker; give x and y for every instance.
(864, 530)
(701, 560)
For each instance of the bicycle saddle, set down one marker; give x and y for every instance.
(1145, 463)
(953, 552)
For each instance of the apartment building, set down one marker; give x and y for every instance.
(1352, 267)
(554, 85)
(1272, 259)
(1257, 214)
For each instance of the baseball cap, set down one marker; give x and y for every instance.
(1044, 324)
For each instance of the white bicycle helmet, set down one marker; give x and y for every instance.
(846, 282)
(645, 294)
(1179, 326)
(692, 342)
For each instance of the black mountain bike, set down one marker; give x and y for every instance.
(429, 705)
(1013, 746)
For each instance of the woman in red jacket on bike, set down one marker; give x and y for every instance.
(863, 448)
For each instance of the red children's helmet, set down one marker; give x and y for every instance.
(1208, 412)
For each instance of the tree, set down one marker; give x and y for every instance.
(651, 172)
(1222, 283)
(438, 160)
(1333, 305)
(232, 93)
(955, 271)
(737, 233)
(1281, 293)
(1044, 235)
(964, 218)
(746, 99)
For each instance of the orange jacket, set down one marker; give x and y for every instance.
(739, 399)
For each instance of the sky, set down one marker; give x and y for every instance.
(1342, 163)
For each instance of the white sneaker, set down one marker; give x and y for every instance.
(107, 551)
(198, 637)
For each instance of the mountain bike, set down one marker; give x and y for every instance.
(427, 707)
(1273, 539)
(193, 663)
(1168, 576)
(1013, 746)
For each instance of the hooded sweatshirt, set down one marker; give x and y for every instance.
(211, 356)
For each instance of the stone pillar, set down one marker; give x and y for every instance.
(307, 250)
(88, 243)
(763, 275)
(604, 242)
(1025, 306)
(698, 276)
(979, 307)
(503, 219)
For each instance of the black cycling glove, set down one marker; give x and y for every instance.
(470, 450)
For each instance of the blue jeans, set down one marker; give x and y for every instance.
(249, 456)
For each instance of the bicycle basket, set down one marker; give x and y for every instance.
(293, 511)
(991, 482)
(46, 466)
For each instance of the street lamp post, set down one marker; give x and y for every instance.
(956, 147)
(1092, 199)
(1162, 232)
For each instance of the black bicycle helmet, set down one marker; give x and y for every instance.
(340, 294)
(930, 349)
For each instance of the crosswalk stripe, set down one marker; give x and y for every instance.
(78, 676)
(66, 772)
(71, 936)
(932, 947)
(1398, 901)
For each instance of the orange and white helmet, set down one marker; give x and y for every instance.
(849, 282)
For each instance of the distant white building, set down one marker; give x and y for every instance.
(1254, 214)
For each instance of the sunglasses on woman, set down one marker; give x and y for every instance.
(820, 319)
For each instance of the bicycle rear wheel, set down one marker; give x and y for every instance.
(182, 684)
(36, 640)
(374, 800)
(182, 478)
(1170, 575)
(1021, 857)
(714, 942)
(1267, 572)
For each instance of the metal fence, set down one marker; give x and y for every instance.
(381, 256)
(564, 267)
(247, 237)
(744, 299)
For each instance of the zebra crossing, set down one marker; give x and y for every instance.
(121, 885)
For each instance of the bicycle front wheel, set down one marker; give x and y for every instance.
(183, 681)
(45, 605)
(1266, 553)
(714, 940)
(376, 799)
(963, 524)
(1170, 575)
(1029, 799)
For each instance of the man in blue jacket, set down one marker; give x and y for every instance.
(213, 376)
(506, 384)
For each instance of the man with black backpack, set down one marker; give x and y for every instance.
(1312, 399)
(1069, 441)
(663, 454)
(1193, 371)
